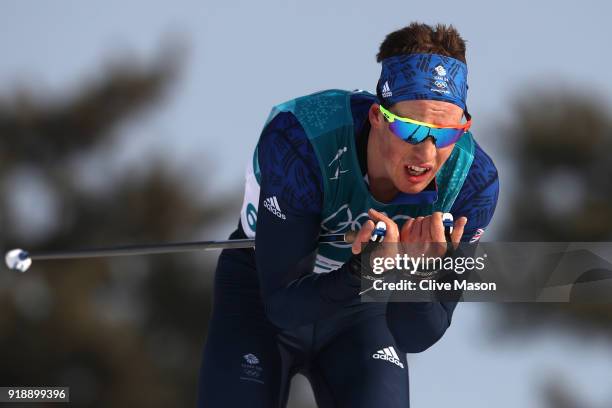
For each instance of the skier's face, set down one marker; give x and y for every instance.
(412, 167)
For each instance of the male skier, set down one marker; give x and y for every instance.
(332, 162)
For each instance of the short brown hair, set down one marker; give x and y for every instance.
(422, 38)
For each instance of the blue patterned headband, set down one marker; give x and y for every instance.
(422, 76)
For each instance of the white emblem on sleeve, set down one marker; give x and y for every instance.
(271, 204)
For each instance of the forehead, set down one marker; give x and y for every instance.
(435, 112)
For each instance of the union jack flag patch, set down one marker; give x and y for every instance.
(477, 235)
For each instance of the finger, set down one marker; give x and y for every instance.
(418, 227)
(405, 232)
(363, 236)
(437, 228)
(458, 228)
(426, 230)
(414, 233)
(392, 234)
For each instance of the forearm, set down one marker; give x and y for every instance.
(312, 297)
(416, 326)
(293, 294)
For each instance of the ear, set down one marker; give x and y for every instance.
(376, 118)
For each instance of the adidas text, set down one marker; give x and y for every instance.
(388, 354)
(272, 205)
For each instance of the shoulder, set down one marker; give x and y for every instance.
(287, 159)
(288, 164)
(482, 173)
(477, 199)
(283, 129)
(360, 104)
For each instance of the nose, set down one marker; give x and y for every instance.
(425, 151)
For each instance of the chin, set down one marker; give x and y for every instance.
(411, 188)
(410, 185)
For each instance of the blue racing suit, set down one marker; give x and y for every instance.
(274, 315)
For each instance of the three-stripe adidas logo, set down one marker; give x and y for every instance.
(272, 205)
(389, 354)
(386, 91)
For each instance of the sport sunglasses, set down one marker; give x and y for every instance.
(414, 132)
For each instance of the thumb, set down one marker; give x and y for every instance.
(363, 236)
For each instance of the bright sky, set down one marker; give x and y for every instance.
(244, 56)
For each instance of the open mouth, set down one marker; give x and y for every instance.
(417, 171)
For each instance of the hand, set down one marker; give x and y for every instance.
(389, 246)
(426, 234)
(365, 233)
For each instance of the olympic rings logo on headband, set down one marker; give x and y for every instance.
(440, 84)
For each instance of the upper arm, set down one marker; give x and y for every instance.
(288, 216)
(478, 197)
(288, 227)
(289, 166)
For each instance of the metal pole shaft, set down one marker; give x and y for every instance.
(127, 250)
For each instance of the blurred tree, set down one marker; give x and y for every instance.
(558, 396)
(121, 332)
(561, 142)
